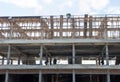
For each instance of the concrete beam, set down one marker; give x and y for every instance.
(61, 41)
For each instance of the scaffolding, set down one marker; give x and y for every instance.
(30, 44)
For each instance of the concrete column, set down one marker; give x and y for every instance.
(73, 53)
(7, 76)
(41, 54)
(40, 76)
(8, 54)
(73, 76)
(108, 76)
(107, 62)
(107, 54)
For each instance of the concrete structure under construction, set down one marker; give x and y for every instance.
(84, 48)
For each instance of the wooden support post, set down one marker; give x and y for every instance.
(8, 54)
(90, 26)
(52, 26)
(85, 25)
(41, 54)
(61, 26)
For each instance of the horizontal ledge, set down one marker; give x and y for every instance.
(60, 41)
(58, 66)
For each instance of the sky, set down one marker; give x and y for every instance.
(58, 7)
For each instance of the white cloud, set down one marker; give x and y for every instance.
(113, 10)
(67, 3)
(24, 3)
(48, 1)
(87, 6)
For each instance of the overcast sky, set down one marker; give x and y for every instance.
(58, 7)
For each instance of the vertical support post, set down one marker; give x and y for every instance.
(7, 76)
(107, 54)
(73, 53)
(8, 55)
(73, 76)
(2, 60)
(11, 26)
(90, 26)
(51, 23)
(61, 26)
(41, 54)
(85, 25)
(90, 77)
(107, 62)
(73, 27)
(40, 76)
(105, 28)
(108, 76)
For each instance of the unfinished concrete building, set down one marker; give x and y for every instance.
(68, 48)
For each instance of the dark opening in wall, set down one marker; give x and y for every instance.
(2, 78)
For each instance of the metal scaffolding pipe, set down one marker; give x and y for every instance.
(41, 54)
(7, 76)
(73, 53)
(8, 54)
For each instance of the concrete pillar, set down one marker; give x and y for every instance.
(8, 54)
(40, 76)
(107, 62)
(108, 76)
(107, 54)
(90, 77)
(7, 76)
(73, 53)
(73, 76)
(41, 54)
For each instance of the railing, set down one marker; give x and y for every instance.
(49, 27)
